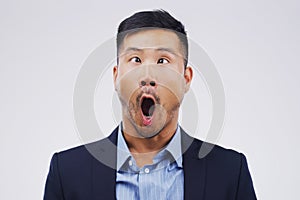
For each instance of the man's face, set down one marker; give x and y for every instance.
(151, 80)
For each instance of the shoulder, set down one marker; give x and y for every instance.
(219, 161)
(86, 151)
(216, 153)
(75, 157)
(225, 170)
(197, 148)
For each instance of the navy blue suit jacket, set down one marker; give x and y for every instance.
(76, 174)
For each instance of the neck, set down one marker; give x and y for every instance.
(138, 144)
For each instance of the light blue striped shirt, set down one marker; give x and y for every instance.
(161, 180)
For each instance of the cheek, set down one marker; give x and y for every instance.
(127, 84)
(170, 97)
(172, 85)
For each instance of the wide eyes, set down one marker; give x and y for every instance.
(159, 61)
(135, 60)
(162, 61)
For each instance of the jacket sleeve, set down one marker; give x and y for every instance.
(245, 186)
(53, 187)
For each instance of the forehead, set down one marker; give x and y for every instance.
(154, 38)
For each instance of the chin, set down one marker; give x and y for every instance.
(149, 131)
(159, 123)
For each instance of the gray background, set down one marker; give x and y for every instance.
(254, 45)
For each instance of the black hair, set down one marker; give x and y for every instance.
(153, 19)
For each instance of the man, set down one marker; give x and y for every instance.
(149, 156)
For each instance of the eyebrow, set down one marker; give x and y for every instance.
(132, 49)
(156, 49)
(171, 51)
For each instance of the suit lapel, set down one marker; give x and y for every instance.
(103, 168)
(104, 175)
(194, 168)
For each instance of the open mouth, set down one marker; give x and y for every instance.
(147, 108)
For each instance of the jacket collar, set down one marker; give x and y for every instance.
(103, 167)
(194, 168)
(104, 173)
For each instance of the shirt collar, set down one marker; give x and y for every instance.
(123, 152)
(174, 148)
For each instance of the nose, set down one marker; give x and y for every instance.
(144, 83)
(148, 83)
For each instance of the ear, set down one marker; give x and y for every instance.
(188, 76)
(115, 75)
